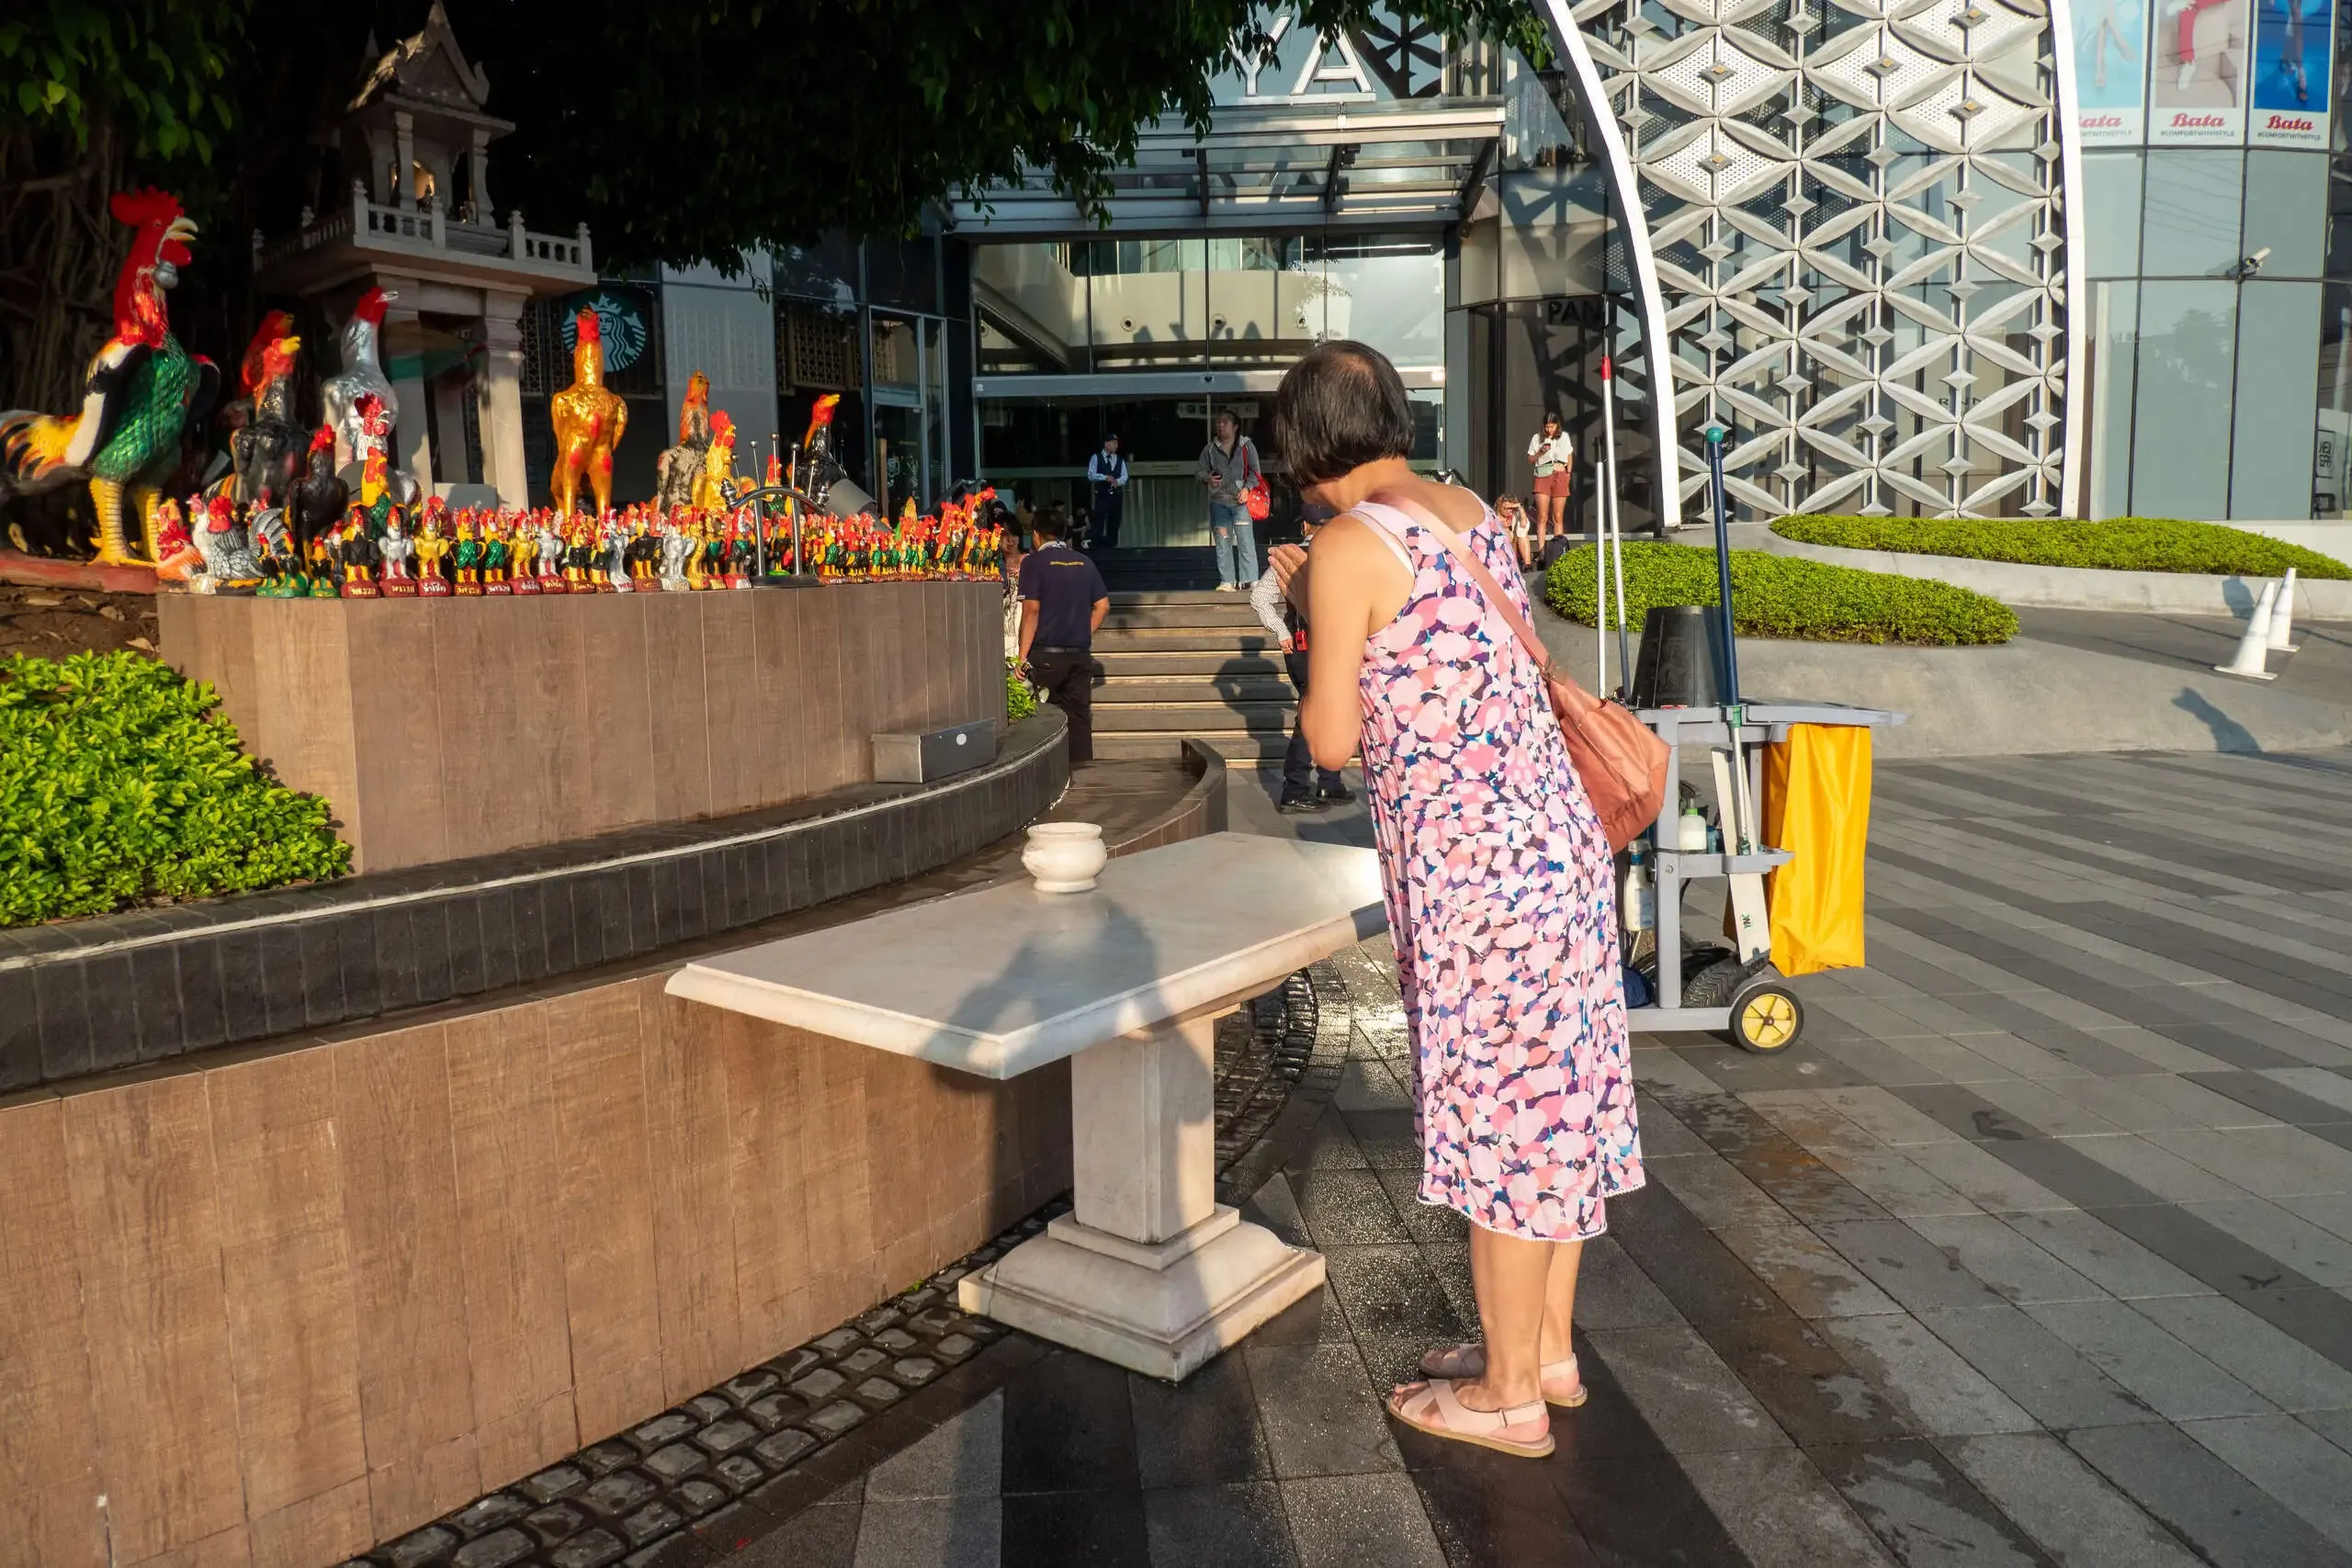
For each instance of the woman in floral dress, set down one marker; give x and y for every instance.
(1498, 887)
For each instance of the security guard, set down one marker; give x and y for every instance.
(1062, 601)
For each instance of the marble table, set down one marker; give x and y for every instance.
(1148, 1270)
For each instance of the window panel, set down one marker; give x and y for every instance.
(2180, 425)
(2111, 214)
(2286, 208)
(2270, 463)
(2191, 213)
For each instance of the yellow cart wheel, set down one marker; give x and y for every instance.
(1766, 1018)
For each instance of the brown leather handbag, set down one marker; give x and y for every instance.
(1619, 762)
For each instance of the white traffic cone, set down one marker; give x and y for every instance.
(2247, 661)
(2282, 619)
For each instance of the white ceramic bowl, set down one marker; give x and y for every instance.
(1065, 857)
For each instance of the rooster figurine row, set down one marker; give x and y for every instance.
(375, 547)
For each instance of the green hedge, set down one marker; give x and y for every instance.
(1020, 698)
(1785, 596)
(119, 785)
(2126, 543)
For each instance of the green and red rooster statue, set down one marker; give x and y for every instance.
(139, 396)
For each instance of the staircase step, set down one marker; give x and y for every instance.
(1205, 664)
(1219, 611)
(1230, 640)
(1238, 749)
(1161, 691)
(1192, 718)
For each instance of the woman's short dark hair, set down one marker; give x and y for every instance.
(1341, 406)
(1551, 416)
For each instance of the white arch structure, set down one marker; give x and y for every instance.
(1851, 241)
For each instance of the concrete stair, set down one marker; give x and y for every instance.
(1186, 663)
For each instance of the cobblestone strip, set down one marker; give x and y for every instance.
(632, 1498)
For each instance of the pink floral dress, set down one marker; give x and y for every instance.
(1501, 902)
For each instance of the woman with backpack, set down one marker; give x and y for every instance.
(1236, 500)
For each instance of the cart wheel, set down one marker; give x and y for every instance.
(1766, 1018)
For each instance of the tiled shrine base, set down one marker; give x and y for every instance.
(2038, 1250)
(728, 1466)
(448, 728)
(263, 1306)
(143, 987)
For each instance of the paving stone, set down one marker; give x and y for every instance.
(2283, 1370)
(1908, 1266)
(1780, 1510)
(837, 1417)
(739, 1471)
(879, 1391)
(489, 1514)
(776, 1409)
(726, 1436)
(709, 1407)
(1233, 1526)
(896, 1340)
(616, 1494)
(1923, 1377)
(696, 1497)
(2291, 1462)
(2105, 1255)
(556, 1521)
(556, 1480)
(859, 1362)
(662, 1430)
(2004, 1260)
(795, 1364)
(936, 1533)
(954, 1347)
(2076, 1515)
(2225, 1517)
(963, 1456)
(823, 1383)
(655, 1519)
(1360, 1521)
(594, 1550)
(938, 1320)
(676, 1462)
(1683, 1390)
(495, 1551)
(1922, 1507)
(1804, 1271)
(605, 1458)
(748, 1386)
(838, 1341)
(1321, 1415)
(784, 1448)
(2150, 1363)
(914, 1370)
(420, 1547)
(880, 1318)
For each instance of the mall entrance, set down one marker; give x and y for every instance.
(1528, 357)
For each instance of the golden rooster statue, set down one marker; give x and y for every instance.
(589, 420)
(715, 485)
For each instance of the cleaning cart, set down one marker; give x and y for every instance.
(1686, 692)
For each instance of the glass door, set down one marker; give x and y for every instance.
(909, 411)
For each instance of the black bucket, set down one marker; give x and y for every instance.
(1681, 659)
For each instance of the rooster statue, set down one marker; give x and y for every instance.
(138, 396)
(588, 420)
(678, 471)
(268, 451)
(318, 495)
(715, 485)
(363, 373)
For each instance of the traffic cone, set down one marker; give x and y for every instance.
(2255, 644)
(2282, 619)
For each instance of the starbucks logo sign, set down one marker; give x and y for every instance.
(623, 325)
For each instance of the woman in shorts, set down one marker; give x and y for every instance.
(1552, 454)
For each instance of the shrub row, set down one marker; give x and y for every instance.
(2125, 543)
(119, 785)
(1785, 596)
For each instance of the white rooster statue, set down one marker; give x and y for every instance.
(363, 373)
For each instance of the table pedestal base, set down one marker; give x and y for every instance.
(1162, 1310)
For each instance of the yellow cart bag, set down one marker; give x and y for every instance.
(1817, 807)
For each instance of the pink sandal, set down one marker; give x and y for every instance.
(1522, 1429)
(1563, 1385)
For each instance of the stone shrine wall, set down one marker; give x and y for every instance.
(446, 728)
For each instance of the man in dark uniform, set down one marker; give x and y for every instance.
(1062, 601)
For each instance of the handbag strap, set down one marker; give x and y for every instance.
(1497, 600)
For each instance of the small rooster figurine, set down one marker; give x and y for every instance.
(715, 485)
(140, 393)
(677, 469)
(589, 422)
(363, 376)
(268, 451)
(228, 558)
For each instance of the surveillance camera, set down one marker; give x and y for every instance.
(2248, 265)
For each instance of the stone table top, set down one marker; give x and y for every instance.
(1006, 978)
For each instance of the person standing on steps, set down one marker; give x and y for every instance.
(1554, 457)
(1497, 877)
(1304, 786)
(1062, 602)
(1228, 467)
(1106, 472)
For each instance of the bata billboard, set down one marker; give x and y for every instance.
(2292, 49)
(2111, 72)
(2197, 76)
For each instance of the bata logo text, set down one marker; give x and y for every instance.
(2289, 122)
(2102, 122)
(2187, 121)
